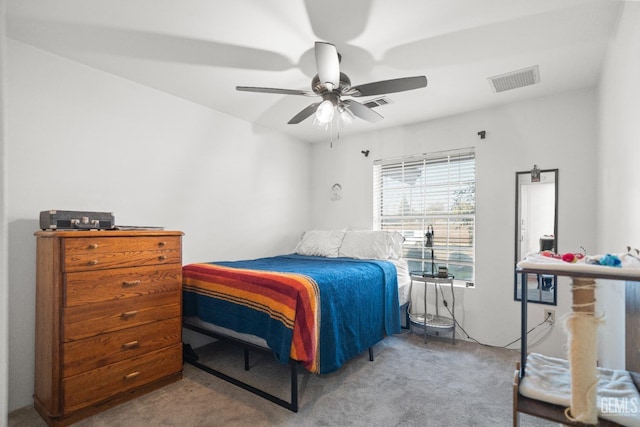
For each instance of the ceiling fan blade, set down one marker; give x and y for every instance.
(274, 90)
(71, 38)
(304, 114)
(362, 111)
(328, 64)
(350, 22)
(388, 86)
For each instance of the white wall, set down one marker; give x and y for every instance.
(553, 132)
(4, 284)
(81, 139)
(618, 179)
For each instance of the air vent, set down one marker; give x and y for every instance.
(378, 102)
(515, 79)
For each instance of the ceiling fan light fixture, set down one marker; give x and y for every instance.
(346, 116)
(332, 85)
(325, 112)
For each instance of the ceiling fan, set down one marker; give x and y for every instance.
(332, 85)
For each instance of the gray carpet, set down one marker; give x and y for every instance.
(409, 383)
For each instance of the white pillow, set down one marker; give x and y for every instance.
(395, 241)
(368, 244)
(320, 243)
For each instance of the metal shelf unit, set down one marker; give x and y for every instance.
(433, 321)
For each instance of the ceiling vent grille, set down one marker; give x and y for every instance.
(378, 102)
(515, 79)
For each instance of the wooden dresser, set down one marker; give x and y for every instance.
(108, 319)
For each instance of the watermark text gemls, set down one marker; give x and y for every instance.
(620, 405)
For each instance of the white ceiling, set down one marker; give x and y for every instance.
(201, 50)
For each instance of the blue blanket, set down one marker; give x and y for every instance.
(358, 302)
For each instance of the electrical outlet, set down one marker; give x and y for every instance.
(550, 316)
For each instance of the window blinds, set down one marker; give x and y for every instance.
(438, 190)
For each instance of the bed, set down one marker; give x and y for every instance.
(337, 295)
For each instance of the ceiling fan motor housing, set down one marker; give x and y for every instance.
(318, 87)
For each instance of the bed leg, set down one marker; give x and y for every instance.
(370, 354)
(294, 386)
(246, 359)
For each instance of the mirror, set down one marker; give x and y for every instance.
(536, 229)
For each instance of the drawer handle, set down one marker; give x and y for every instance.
(130, 345)
(130, 283)
(162, 244)
(93, 246)
(132, 375)
(128, 314)
(162, 257)
(93, 262)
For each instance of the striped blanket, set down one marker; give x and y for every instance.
(319, 311)
(273, 303)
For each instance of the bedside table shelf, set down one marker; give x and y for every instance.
(432, 322)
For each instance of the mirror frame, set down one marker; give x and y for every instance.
(518, 277)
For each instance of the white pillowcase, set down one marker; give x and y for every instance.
(368, 244)
(395, 241)
(320, 243)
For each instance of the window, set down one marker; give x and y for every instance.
(436, 192)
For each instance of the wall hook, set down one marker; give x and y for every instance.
(483, 134)
(365, 152)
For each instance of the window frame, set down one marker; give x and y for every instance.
(437, 189)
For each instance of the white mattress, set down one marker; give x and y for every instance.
(404, 280)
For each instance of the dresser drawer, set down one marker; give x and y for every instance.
(99, 384)
(91, 353)
(84, 321)
(98, 245)
(87, 261)
(85, 287)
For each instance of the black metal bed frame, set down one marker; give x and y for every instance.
(191, 358)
